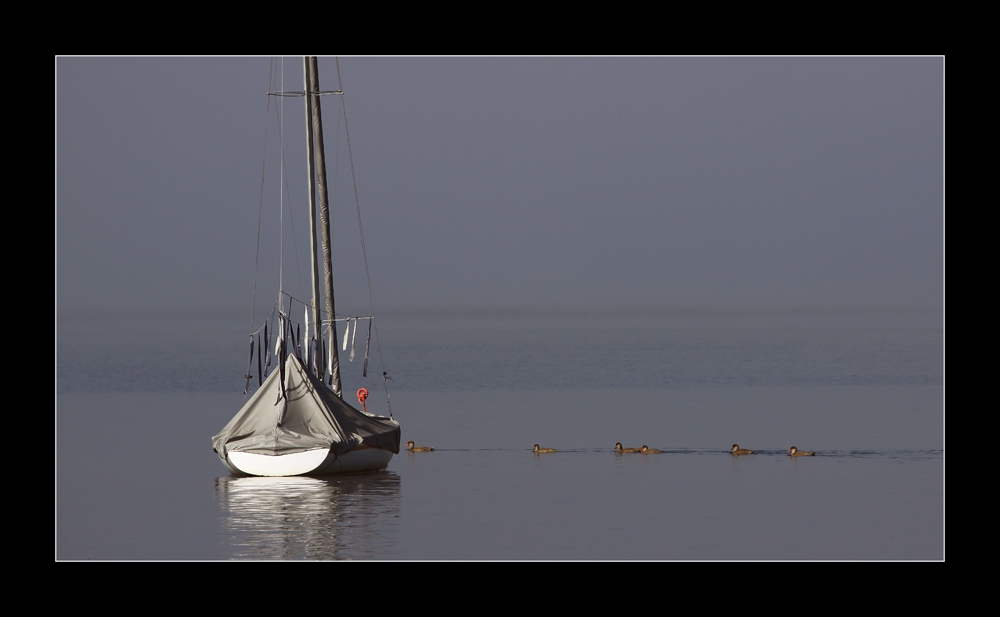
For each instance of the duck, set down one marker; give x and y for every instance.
(648, 450)
(540, 449)
(795, 452)
(412, 448)
(738, 450)
(619, 448)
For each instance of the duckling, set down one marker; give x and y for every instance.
(795, 452)
(619, 448)
(412, 448)
(738, 450)
(539, 449)
(648, 450)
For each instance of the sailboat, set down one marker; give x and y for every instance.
(297, 422)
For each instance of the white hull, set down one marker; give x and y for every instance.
(311, 462)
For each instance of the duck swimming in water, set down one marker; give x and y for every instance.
(795, 452)
(619, 448)
(738, 450)
(648, 450)
(412, 448)
(540, 449)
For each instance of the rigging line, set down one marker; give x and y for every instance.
(261, 328)
(283, 181)
(336, 164)
(281, 199)
(325, 320)
(292, 298)
(357, 202)
(291, 215)
(364, 253)
(260, 211)
(260, 206)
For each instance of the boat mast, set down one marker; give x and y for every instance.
(312, 193)
(312, 101)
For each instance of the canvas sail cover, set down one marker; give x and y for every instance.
(308, 417)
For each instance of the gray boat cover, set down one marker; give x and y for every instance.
(308, 417)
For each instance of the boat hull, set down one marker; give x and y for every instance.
(309, 463)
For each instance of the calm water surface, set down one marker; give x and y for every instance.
(139, 397)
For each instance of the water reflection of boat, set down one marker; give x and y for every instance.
(297, 517)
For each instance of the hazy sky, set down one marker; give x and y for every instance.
(509, 182)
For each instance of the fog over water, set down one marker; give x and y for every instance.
(498, 183)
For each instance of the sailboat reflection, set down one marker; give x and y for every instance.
(298, 517)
